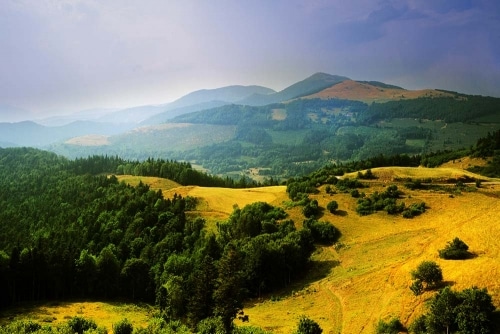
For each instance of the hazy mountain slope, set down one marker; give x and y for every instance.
(169, 114)
(84, 115)
(29, 133)
(372, 91)
(310, 85)
(229, 94)
(10, 113)
(195, 101)
(133, 115)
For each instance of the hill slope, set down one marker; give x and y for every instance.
(310, 85)
(367, 277)
(369, 92)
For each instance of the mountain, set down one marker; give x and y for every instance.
(308, 86)
(229, 94)
(28, 133)
(134, 115)
(84, 115)
(206, 99)
(373, 91)
(172, 113)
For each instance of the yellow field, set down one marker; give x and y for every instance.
(155, 183)
(104, 314)
(442, 173)
(370, 275)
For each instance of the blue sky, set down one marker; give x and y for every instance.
(60, 56)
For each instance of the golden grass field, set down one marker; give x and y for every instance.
(105, 314)
(367, 277)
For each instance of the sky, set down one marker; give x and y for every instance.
(62, 56)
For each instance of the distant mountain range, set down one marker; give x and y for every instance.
(110, 122)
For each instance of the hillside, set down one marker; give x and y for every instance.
(309, 85)
(369, 92)
(367, 277)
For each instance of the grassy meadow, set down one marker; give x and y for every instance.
(365, 277)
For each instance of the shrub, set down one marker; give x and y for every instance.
(394, 326)
(417, 287)
(413, 210)
(455, 250)
(322, 232)
(211, 326)
(308, 326)
(80, 324)
(332, 206)
(123, 327)
(311, 209)
(419, 325)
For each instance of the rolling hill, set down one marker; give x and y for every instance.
(366, 277)
(369, 92)
(310, 85)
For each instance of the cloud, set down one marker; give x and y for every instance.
(71, 54)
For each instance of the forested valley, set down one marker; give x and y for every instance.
(68, 230)
(283, 140)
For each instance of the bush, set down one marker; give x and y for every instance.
(311, 209)
(322, 232)
(308, 326)
(419, 325)
(80, 324)
(392, 327)
(455, 250)
(332, 206)
(123, 327)
(417, 287)
(413, 210)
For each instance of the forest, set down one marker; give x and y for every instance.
(68, 230)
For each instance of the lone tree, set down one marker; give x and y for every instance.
(455, 250)
(428, 272)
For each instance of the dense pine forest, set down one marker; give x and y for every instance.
(70, 231)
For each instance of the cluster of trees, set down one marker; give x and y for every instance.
(467, 311)
(66, 235)
(387, 201)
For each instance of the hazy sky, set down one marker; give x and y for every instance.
(68, 55)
